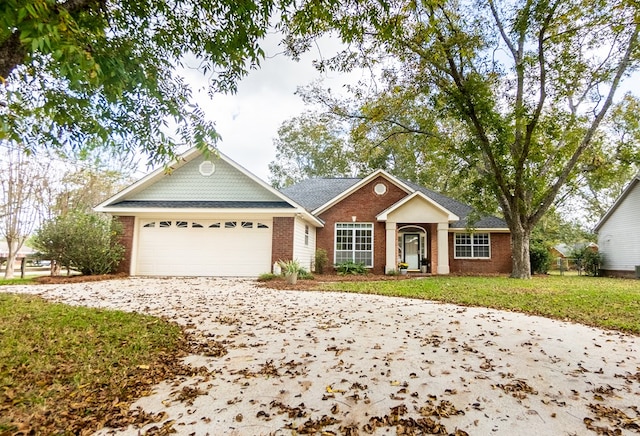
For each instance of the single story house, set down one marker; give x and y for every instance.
(211, 217)
(619, 234)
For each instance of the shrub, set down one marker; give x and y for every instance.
(85, 242)
(267, 277)
(321, 260)
(303, 274)
(540, 258)
(350, 267)
(289, 267)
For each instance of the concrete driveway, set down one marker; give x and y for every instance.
(304, 362)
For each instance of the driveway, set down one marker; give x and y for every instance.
(306, 362)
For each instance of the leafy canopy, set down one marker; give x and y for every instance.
(81, 74)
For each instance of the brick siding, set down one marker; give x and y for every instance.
(128, 226)
(364, 204)
(282, 239)
(500, 262)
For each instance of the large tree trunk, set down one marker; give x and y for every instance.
(520, 253)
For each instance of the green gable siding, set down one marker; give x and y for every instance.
(187, 184)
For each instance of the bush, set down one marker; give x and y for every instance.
(588, 261)
(267, 277)
(85, 242)
(540, 258)
(321, 260)
(350, 267)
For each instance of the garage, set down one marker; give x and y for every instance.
(195, 247)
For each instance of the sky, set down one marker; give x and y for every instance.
(248, 121)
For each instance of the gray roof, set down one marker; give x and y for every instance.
(313, 193)
(203, 204)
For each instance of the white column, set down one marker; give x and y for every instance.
(391, 257)
(443, 248)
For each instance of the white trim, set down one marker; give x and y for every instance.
(335, 235)
(360, 184)
(471, 234)
(479, 230)
(382, 216)
(619, 201)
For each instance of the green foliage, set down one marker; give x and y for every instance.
(321, 260)
(289, 267)
(588, 260)
(84, 242)
(267, 277)
(521, 125)
(350, 267)
(85, 74)
(540, 258)
(303, 274)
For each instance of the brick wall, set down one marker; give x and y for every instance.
(282, 239)
(128, 226)
(500, 261)
(364, 204)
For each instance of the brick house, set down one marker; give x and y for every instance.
(211, 217)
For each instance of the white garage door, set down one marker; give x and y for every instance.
(230, 247)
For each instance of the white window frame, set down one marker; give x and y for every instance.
(473, 245)
(353, 226)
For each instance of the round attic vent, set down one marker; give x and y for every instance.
(207, 168)
(380, 188)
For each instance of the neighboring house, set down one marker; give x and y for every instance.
(25, 251)
(561, 254)
(214, 218)
(619, 233)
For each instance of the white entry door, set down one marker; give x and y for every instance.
(411, 249)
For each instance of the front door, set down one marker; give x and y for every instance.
(411, 249)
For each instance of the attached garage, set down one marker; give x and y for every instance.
(208, 216)
(196, 247)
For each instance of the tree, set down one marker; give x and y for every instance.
(530, 82)
(80, 74)
(310, 146)
(22, 199)
(81, 241)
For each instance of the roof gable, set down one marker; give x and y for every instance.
(185, 186)
(186, 183)
(417, 207)
(635, 183)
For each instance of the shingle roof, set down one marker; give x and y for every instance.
(313, 193)
(203, 204)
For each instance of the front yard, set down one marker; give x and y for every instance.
(602, 302)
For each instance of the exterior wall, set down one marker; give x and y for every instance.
(499, 263)
(282, 239)
(619, 235)
(619, 274)
(303, 252)
(364, 204)
(225, 184)
(128, 227)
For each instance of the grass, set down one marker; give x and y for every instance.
(17, 281)
(70, 370)
(601, 302)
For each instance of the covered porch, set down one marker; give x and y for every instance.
(417, 231)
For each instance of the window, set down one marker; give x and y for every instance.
(214, 226)
(182, 224)
(247, 224)
(472, 245)
(165, 223)
(151, 224)
(354, 242)
(262, 226)
(230, 225)
(196, 225)
(306, 235)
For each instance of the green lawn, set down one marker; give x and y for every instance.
(602, 302)
(69, 370)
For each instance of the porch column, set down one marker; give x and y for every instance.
(443, 248)
(391, 252)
